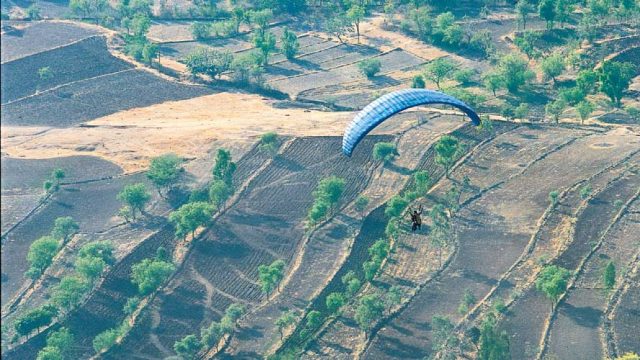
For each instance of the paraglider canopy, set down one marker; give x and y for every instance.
(390, 104)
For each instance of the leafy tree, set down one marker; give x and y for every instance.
(233, 313)
(351, 281)
(553, 197)
(33, 12)
(207, 61)
(335, 301)
(64, 228)
(552, 281)
(587, 81)
(190, 216)
(330, 189)
(265, 42)
(463, 76)
(90, 267)
(552, 66)
(442, 329)
(135, 196)
(361, 203)
(35, 319)
(371, 268)
(149, 274)
(100, 249)
(49, 353)
(555, 109)
(131, 305)
(313, 321)
(564, 8)
(417, 82)
(270, 276)
(318, 211)
(88, 8)
(422, 21)
(40, 255)
(261, 18)
(210, 336)
(493, 81)
(105, 340)
(45, 73)
(473, 335)
(468, 299)
(290, 44)
(285, 320)
(609, 275)
(385, 152)
(439, 69)
(514, 71)
(224, 167)
(369, 67)
(547, 11)
(615, 78)
(370, 309)
(355, 14)
(393, 297)
(494, 345)
(523, 8)
(422, 182)
(269, 141)
(572, 95)
(61, 340)
(69, 291)
(200, 30)
(338, 26)
(164, 171)
(396, 206)
(585, 191)
(219, 192)
(187, 348)
(522, 111)
(448, 150)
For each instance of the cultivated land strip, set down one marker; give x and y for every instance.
(509, 202)
(621, 315)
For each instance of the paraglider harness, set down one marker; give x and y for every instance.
(416, 220)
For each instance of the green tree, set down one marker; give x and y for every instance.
(448, 150)
(210, 336)
(553, 197)
(494, 345)
(468, 299)
(285, 320)
(313, 321)
(552, 66)
(587, 81)
(585, 191)
(523, 8)
(49, 353)
(493, 81)
(219, 192)
(200, 30)
(385, 152)
(422, 182)
(521, 111)
(464, 76)
(393, 297)
(334, 302)
(224, 167)
(555, 109)
(547, 11)
(164, 171)
(61, 340)
(35, 319)
(515, 72)
(395, 206)
(105, 340)
(269, 141)
(552, 281)
(45, 73)
(442, 329)
(187, 348)
(361, 203)
(99, 249)
(131, 305)
(40, 255)
(615, 78)
(270, 276)
(370, 308)
(439, 69)
(90, 267)
(265, 42)
(356, 14)
(149, 274)
(352, 283)
(135, 196)
(207, 61)
(189, 217)
(290, 44)
(609, 275)
(64, 228)
(69, 291)
(369, 67)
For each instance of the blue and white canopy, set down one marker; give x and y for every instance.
(390, 104)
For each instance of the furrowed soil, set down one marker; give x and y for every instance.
(501, 222)
(266, 224)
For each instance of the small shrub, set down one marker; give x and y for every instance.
(369, 67)
(385, 152)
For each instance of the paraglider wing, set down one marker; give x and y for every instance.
(388, 105)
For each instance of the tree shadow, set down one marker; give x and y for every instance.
(584, 316)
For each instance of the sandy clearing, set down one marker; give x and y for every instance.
(190, 128)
